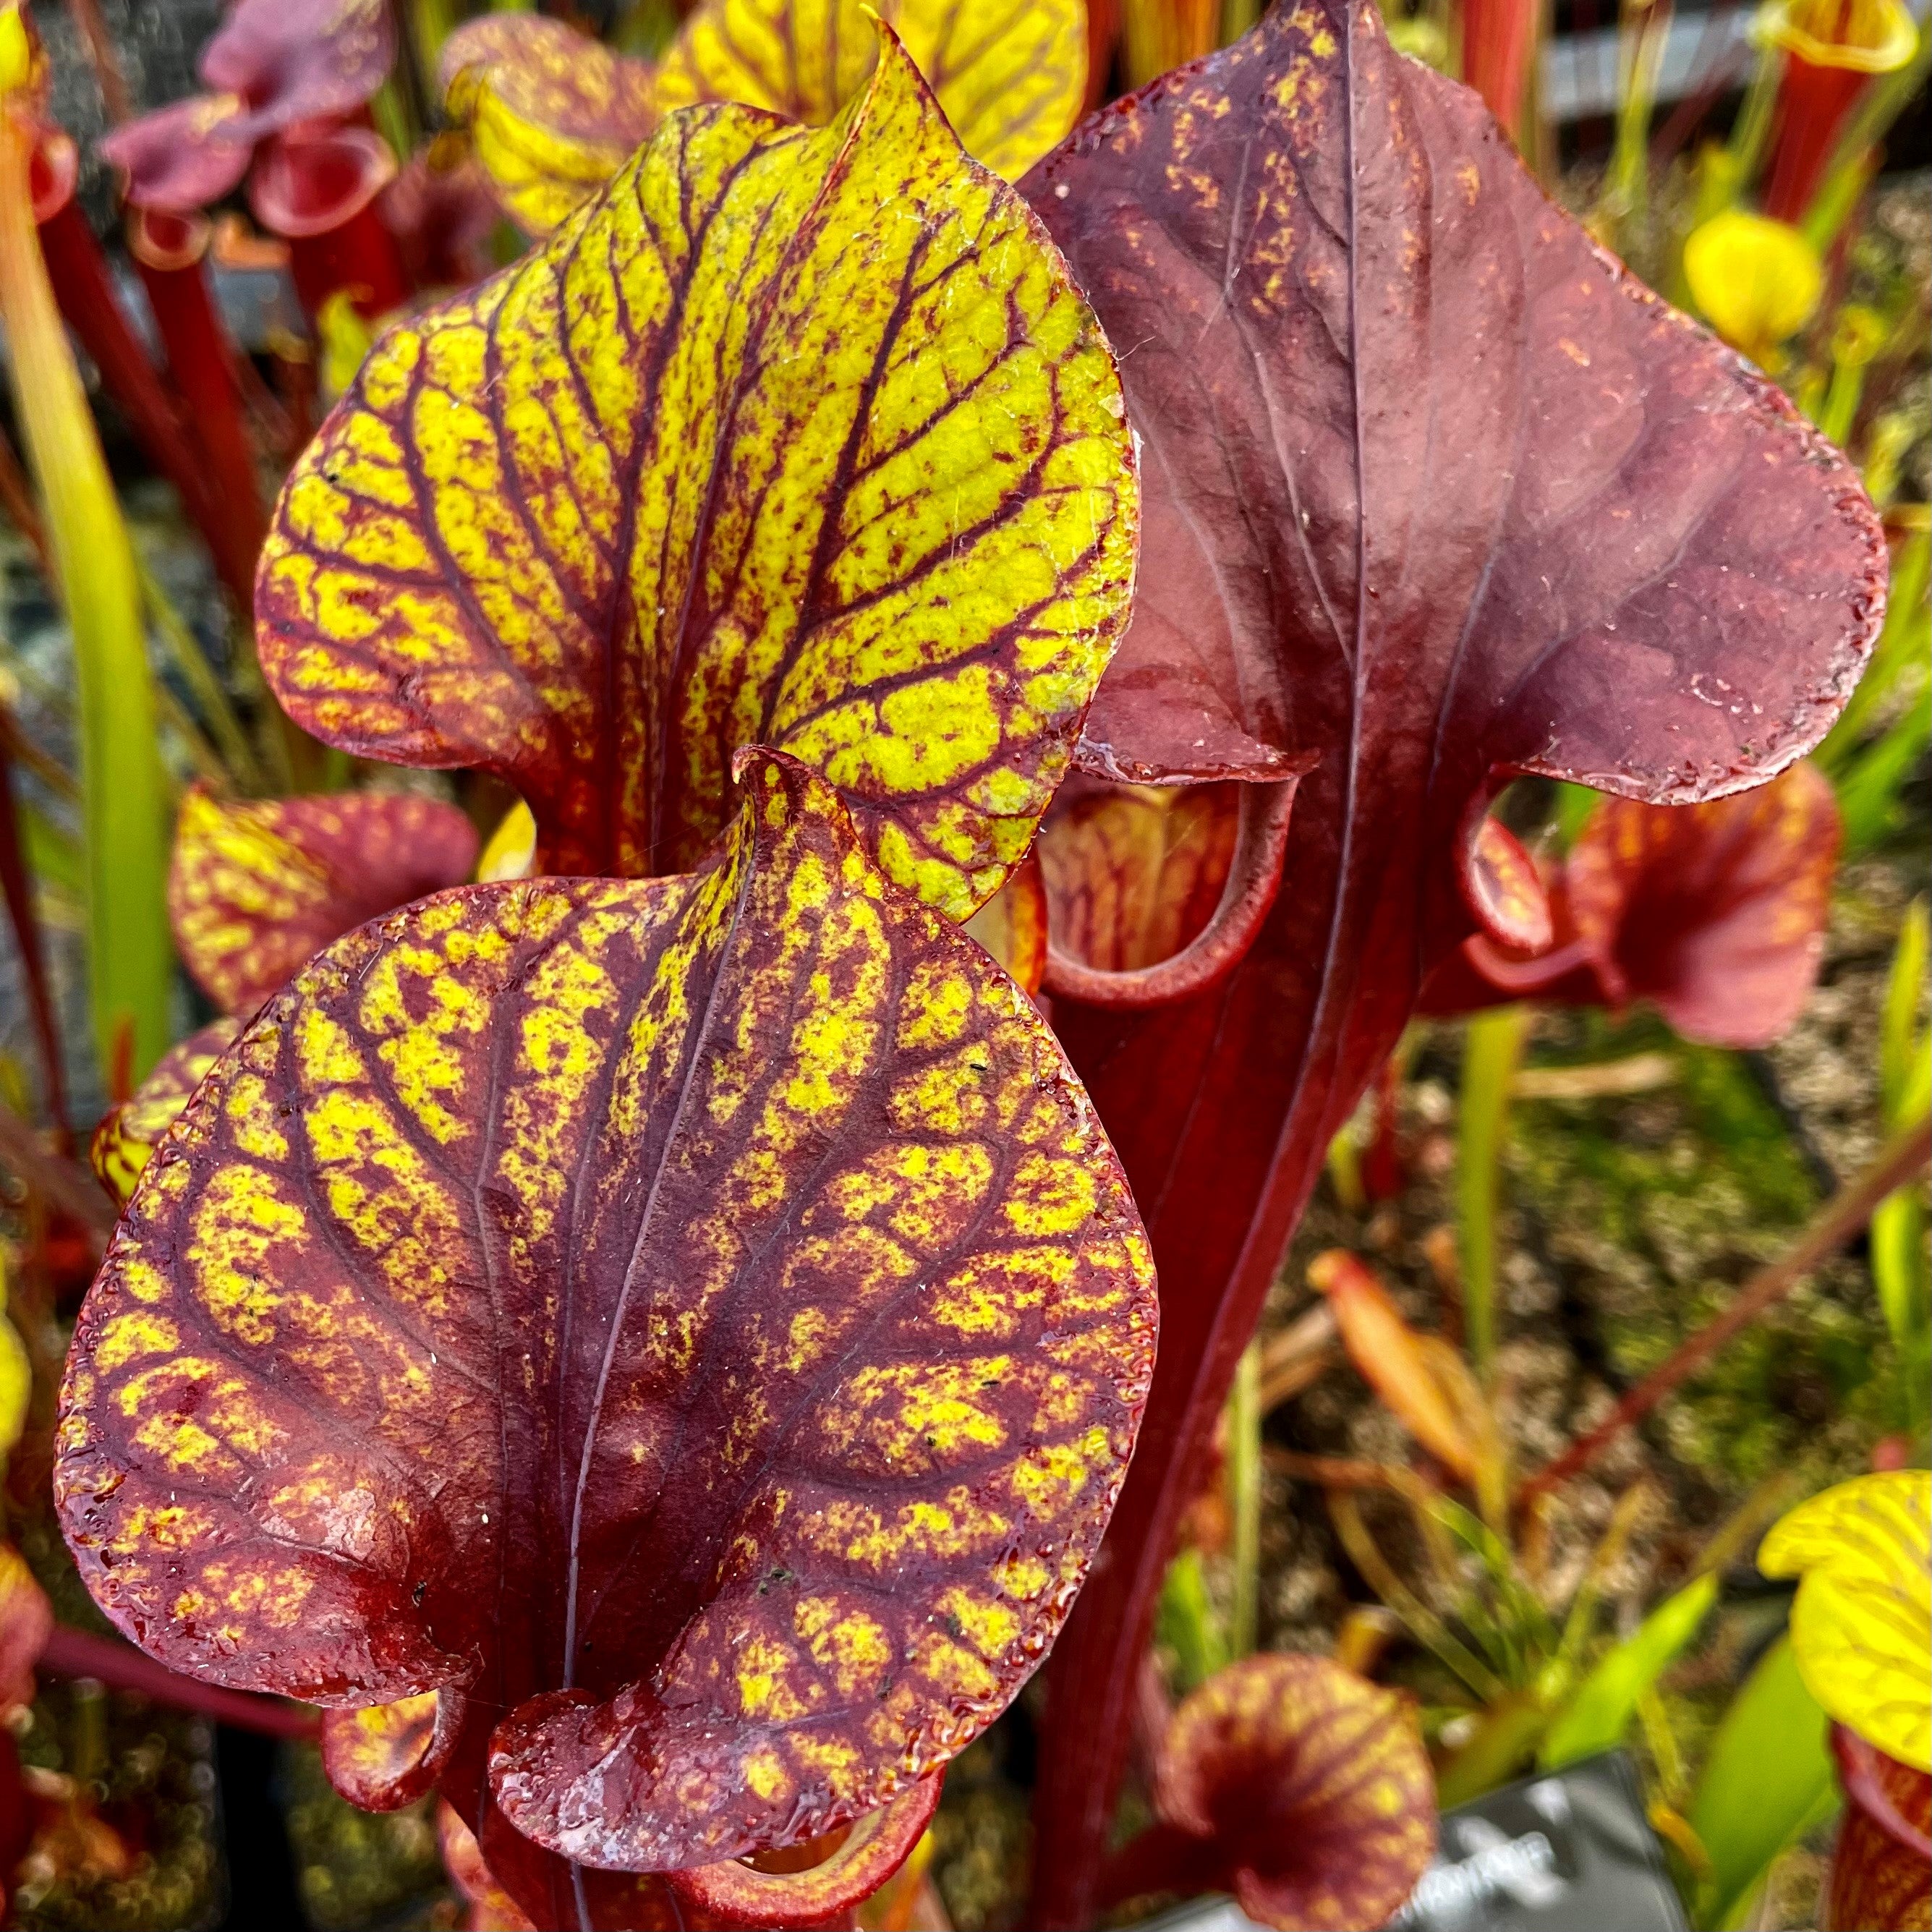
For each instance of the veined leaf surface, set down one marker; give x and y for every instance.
(1437, 494)
(554, 114)
(795, 438)
(1307, 1788)
(697, 1323)
(1010, 74)
(258, 885)
(1861, 1626)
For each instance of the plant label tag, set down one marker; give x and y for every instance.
(1569, 1851)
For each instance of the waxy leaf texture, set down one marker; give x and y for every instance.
(554, 114)
(698, 1325)
(126, 1136)
(800, 438)
(257, 886)
(1436, 494)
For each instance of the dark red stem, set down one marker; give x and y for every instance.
(73, 1653)
(1162, 1859)
(1901, 1158)
(1812, 104)
(1499, 37)
(85, 290)
(360, 256)
(170, 251)
(321, 191)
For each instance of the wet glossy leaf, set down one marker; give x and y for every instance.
(1436, 494)
(383, 1756)
(697, 1323)
(1861, 1625)
(1881, 1875)
(256, 886)
(799, 438)
(125, 1139)
(272, 65)
(782, 1892)
(1301, 1788)
(555, 114)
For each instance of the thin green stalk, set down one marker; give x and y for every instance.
(1492, 1050)
(211, 697)
(1244, 1500)
(1901, 1269)
(1186, 1624)
(1750, 133)
(1646, 25)
(124, 810)
(201, 753)
(1237, 17)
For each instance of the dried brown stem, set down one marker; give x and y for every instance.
(1835, 1223)
(102, 57)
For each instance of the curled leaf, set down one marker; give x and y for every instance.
(270, 66)
(256, 886)
(798, 438)
(781, 1891)
(699, 1320)
(1011, 75)
(1154, 893)
(1863, 36)
(125, 1139)
(1299, 1786)
(1396, 1362)
(1504, 892)
(1861, 1626)
(490, 1908)
(554, 114)
(1714, 914)
(383, 1756)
